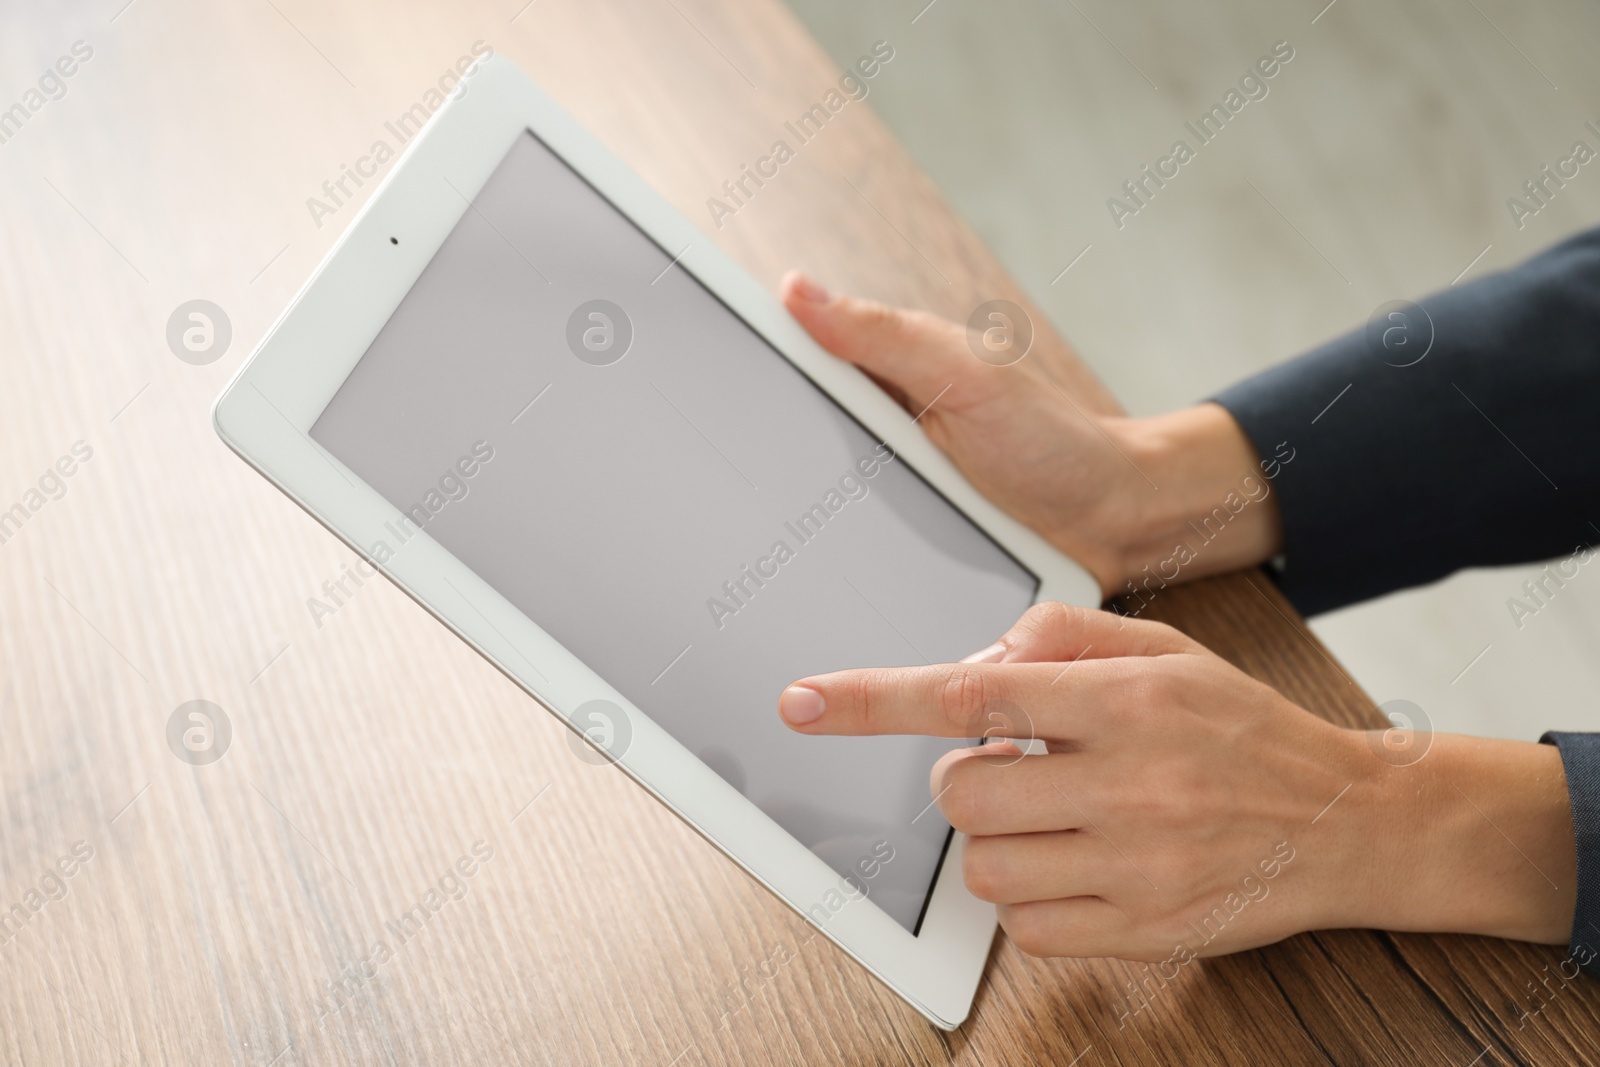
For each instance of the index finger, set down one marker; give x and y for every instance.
(956, 699)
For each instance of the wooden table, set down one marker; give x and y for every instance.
(231, 912)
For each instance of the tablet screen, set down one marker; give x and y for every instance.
(577, 419)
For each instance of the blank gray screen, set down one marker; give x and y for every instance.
(634, 507)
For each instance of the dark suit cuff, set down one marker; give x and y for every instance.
(1580, 756)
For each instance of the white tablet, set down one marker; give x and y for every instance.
(554, 413)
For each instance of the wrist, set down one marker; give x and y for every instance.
(1214, 510)
(1475, 837)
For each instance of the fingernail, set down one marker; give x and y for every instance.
(993, 654)
(799, 705)
(808, 290)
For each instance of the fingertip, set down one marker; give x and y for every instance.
(799, 288)
(800, 705)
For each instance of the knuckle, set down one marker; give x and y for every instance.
(1028, 928)
(883, 320)
(983, 870)
(1050, 616)
(962, 803)
(1155, 689)
(1181, 678)
(929, 336)
(1173, 638)
(862, 694)
(961, 697)
(944, 770)
(1165, 638)
(1161, 687)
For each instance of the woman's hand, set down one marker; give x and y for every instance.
(1116, 494)
(1185, 808)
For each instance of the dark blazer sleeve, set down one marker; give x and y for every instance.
(1580, 755)
(1485, 450)
(1460, 431)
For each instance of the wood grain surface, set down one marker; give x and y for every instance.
(247, 911)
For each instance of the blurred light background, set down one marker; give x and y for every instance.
(1381, 158)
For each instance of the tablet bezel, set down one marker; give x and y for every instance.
(268, 408)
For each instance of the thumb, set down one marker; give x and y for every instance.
(917, 353)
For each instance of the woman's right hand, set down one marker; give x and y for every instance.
(1112, 492)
